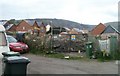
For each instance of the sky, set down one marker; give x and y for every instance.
(81, 11)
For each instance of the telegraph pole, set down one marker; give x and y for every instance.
(51, 33)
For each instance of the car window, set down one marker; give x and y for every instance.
(3, 41)
(11, 39)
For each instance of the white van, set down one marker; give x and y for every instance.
(4, 46)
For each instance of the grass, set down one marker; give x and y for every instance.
(60, 56)
(100, 58)
(55, 55)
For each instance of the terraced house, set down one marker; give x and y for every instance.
(31, 26)
(23, 27)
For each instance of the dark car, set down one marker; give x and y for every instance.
(16, 46)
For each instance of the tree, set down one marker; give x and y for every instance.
(12, 21)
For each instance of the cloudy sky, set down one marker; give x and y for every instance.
(82, 11)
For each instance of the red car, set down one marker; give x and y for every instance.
(16, 46)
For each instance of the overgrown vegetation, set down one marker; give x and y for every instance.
(36, 44)
(103, 55)
(43, 46)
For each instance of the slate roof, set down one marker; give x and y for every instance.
(32, 21)
(2, 22)
(113, 24)
(6, 24)
(8, 27)
(110, 29)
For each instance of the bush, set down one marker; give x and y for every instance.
(34, 44)
(103, 56)
(115, 54)
(37, 44)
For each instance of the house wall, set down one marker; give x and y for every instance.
(23, 27)
(42, 30)
(35, 25)
(36, 28)
(12, 29)
(106, 35)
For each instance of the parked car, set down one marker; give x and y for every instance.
(16, 46)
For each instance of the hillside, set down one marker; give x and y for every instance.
(64, 23)
(56, 23)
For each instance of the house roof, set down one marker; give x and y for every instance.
(113, 24)
(110, 29)
(42, 24)
(6, 24)
(63, 33)
(77, 30)
(72, 31)
(66, 28)
(9, 26)
(98, 29)
(12, 28)
(2, 22)
(32, 21)
(84, 31)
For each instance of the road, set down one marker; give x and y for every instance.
(43, 65)
(0, 66)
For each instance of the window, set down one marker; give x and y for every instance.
(3, 41)
(23, 28)
(11, 39)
